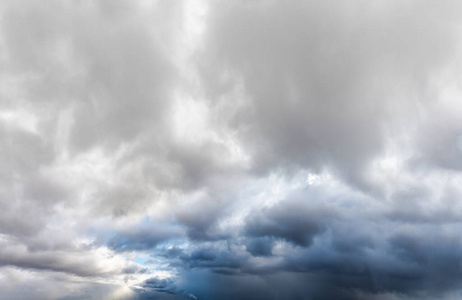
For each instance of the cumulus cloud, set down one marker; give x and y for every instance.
(239, 150)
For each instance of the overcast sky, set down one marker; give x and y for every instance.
(230, 149)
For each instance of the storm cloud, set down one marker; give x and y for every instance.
(230, 150)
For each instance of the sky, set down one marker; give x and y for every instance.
(259, 149)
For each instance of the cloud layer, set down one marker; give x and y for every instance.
(230, 150)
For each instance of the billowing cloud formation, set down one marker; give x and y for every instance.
(239, 150)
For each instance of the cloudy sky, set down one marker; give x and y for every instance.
(259, 149)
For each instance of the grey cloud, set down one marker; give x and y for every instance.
(143, 237)
(23, 151)
(170, 253)
(122, 74)
(163, 286)
(43, 285)
(87, 77)
(275, 286)
(260, 246)
(322, 79)
(408, 267)
(217, 259)
(416, 203)
(122, 199)
(438, 258)
(295, 221)
(200, 221)
(133, 270)
(361, 96)
(72, 262)
(437, 145)
(355, 257)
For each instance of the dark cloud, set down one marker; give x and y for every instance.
(345, 268)
(200, 220)
(260, 246)
(294, 221)
(217, 259)
(276, 286)
(353, 259)
(163, 286)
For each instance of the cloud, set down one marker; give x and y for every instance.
(165, 286)
(143, 238)
(244, 150)
(321, 80)
(260, 246)
(81, 260)
(293, 221)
